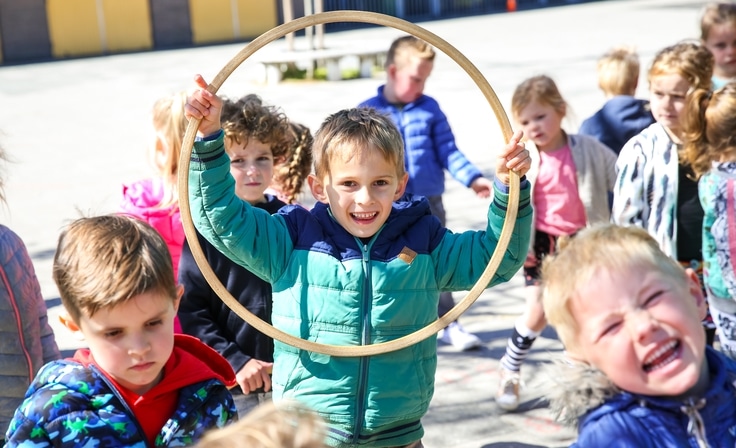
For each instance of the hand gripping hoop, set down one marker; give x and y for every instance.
(255, 321)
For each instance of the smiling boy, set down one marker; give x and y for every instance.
(357, 269)
(639, 372)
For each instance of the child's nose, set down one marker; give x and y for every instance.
(139, 345)
(363, 196)
(641, 325)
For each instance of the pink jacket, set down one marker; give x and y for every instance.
(141, 199)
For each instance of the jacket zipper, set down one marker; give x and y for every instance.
(695, 425)
(365, 339)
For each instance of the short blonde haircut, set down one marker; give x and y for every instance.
(270, 425)
(714, 14)
(350, 132)
(404, 48)
(689, 59)
(601, 247)
(541, 89)
(618, 71)
(104, 261)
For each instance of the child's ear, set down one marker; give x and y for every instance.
(318, 189)
(696, 290)
(179, 294)
(401, 188)
(66, 320)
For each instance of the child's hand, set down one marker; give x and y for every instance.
(513, 157)
(205, 105)
(482, 187)
(255, 375)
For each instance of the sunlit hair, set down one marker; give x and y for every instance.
(104, 261)
(404, 48)
(714, 14)
(541, 89)
(689, 59)
(600, 248)
(249, 118)
(270, 425)
(709, 127)
(170, 125)
(290, 173)
(350, 132)
(618, 71)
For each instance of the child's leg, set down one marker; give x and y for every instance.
(527, 327)
(526, 330)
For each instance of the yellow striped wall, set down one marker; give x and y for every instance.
(95, 27)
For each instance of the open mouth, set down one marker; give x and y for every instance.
(662, 356)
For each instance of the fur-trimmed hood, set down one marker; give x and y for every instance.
(604, 415)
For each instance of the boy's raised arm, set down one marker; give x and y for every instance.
(514, 156)
(205, 105)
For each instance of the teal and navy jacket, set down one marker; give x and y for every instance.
(72, 403)
(332, 288)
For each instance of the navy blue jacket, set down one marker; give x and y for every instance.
(204, 315)
(621, 118)
(429, 144)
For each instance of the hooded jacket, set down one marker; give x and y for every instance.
(72, 403)
(620, 118)
(429, 145)
(141, 199)
(28, 340)
(606, 416)
(333, 288)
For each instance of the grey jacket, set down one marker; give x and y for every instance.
(26, 339)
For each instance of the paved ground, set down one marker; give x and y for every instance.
(78, 129)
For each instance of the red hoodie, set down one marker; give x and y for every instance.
(190, 362)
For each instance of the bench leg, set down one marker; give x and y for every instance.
(333, 69)
(273, 73)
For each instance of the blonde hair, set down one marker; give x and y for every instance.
(404, 48)
(170, 124)
(689, 59)
(104, 261)
(714, 14)
(618, 71)
(289, 175)
(541, 89)
(708, 127)
(270, 425)
(601, 247)
(350, 132)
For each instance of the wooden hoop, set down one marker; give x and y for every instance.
(255, 321)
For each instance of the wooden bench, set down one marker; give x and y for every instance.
(275, 64)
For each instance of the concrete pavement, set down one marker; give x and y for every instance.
(78, 129)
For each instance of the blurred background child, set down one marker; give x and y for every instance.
(291, 170)
(255, 136)
(718, 34)
(287, 424)
(571, 178)
(28, 340)
(622, 116)
(155, 200)
(656, 187)
(430, 147)
(710, 146)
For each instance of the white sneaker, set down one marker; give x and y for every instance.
(507, 396)
(456, 336)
